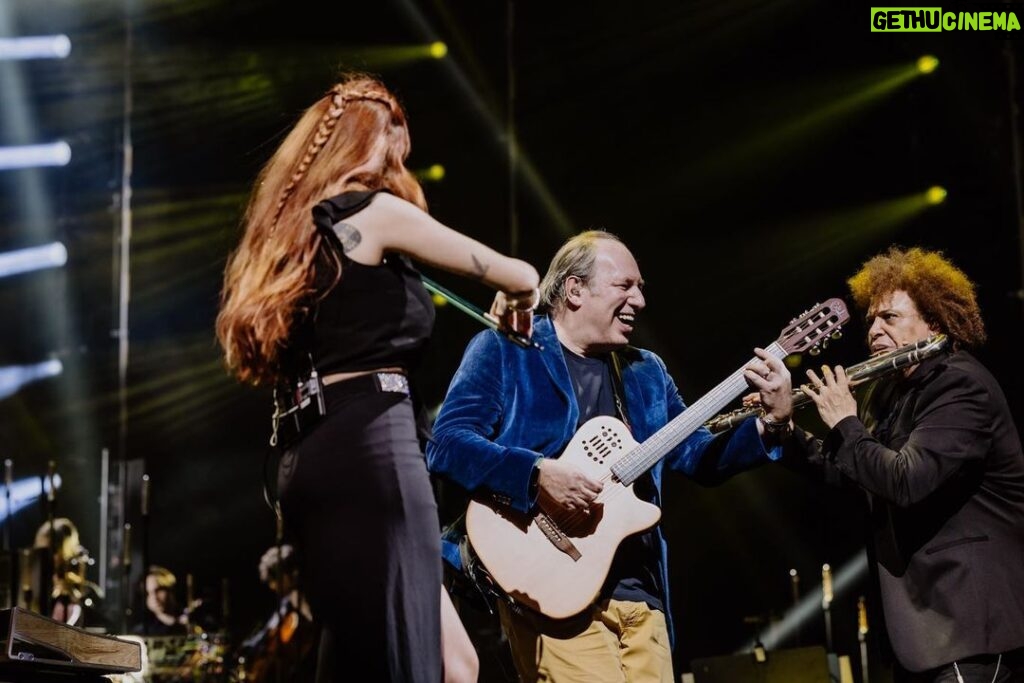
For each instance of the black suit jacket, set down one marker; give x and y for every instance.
(940, 460)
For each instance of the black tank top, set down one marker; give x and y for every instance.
(375, 316)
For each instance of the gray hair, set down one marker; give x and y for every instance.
(575, 258)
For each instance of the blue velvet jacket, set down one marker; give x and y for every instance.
(508, 406)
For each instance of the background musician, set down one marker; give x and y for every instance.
(510, 412)
(284, 648)
(163, 615)
(936, 452)
(71, 594)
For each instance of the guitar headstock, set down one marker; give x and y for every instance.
(813, 328)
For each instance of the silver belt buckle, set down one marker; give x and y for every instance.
(394, 382)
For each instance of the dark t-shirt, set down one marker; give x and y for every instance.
(633, 574)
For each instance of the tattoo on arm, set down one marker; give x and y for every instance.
(349, 236)
(479, 269)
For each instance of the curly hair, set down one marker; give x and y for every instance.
(355, 137)
(944, 295)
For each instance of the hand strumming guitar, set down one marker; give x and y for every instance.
(565, 485)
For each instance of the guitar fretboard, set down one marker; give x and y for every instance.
(647, 454)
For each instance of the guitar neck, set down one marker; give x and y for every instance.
(629, 468)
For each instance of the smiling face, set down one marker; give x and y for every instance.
(603, 311)
(894, 321)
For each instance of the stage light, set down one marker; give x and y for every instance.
(927, 64)
(935, 194)
(25, 491)
(14, 377)
(53, 255)
(438, 50)
(33, 156)
(35, 47)
(438, 300)
(433, 173)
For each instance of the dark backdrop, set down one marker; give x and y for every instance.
(749, 153)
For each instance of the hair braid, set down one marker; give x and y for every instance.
(320, 138)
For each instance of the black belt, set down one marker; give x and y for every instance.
(297, 412)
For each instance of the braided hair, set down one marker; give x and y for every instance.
(355, 137)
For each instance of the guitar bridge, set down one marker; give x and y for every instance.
(555, 535)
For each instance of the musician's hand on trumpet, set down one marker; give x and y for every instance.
(831, 394)
(770, 377)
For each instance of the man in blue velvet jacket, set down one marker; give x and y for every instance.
(511, 411)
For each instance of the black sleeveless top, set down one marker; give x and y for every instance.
(375, 316)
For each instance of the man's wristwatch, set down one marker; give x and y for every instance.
(781, 428)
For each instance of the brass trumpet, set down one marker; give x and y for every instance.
(872, 368)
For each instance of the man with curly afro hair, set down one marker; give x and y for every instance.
(936, 452)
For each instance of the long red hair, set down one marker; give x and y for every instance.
(353, 138)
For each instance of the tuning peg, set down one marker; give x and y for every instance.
(815, 350)
(837, 335)
(824, 343)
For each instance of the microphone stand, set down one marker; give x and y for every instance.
(826, 603)
(46, 597)
(189, 599)
(282, 606)
(794, 584)
(144, 505)
(9, 578)
(862, 637)
(126, 581)
(8, 481)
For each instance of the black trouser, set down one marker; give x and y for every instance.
(357, 497)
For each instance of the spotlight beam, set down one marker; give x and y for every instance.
(35, 47)
(53, 255)
(14, 377)
(35, 156)
(854, 570)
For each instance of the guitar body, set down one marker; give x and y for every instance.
(525, 561)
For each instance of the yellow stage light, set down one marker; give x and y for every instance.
(431, 174)
(438, 300)
(927, 64)
(438, 50)
(935, 194)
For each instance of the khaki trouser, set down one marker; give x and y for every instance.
(616, 641)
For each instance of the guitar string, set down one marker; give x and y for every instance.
(635, 460)
(825, 321)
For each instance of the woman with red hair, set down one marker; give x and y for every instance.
(322, 287)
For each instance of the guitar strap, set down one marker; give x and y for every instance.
(619, 391)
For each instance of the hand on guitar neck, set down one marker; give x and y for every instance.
(770, 377)
(564, 485)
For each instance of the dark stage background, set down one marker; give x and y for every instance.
(752, 153)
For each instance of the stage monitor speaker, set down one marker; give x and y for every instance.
(799, 665)
(32, 642)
